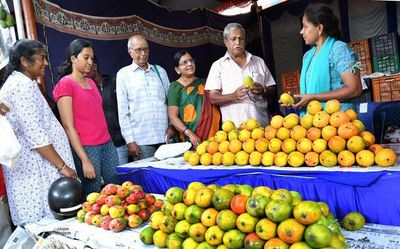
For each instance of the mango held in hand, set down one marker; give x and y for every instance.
(287, 99)
(353, 221)
(248, 82)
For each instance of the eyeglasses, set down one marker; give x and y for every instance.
(186, 62)
(140, 50)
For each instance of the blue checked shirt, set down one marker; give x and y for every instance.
(142, 107)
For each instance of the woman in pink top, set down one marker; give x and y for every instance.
(81, 111)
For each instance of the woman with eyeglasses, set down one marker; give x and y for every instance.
(189, 108)
(81, 111)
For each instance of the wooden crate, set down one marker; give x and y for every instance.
(386, 88)
(361, 48)
(291, 82)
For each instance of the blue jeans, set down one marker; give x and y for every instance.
(122, 152)
(146, 151)
(104, 159)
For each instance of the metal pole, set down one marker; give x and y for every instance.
(30, 20)
(19, 20)
(260, 28)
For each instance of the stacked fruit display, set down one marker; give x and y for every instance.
(118, 206)
(327, 137)
(238, 216)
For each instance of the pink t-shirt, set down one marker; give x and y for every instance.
(89, 119)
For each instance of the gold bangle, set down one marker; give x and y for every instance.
(63, 167)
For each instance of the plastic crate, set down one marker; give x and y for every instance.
(386, 88)
(386, 64)
(384, 45)
(385, 115)
(367, 115)
(366, 67)
(291, 82)
(361, 48)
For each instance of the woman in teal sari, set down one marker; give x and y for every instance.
(189, 108)
(330, 69)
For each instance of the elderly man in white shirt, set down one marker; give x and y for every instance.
(141, 96)
(225, 80)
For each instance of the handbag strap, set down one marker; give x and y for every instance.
(162, 83)
(159, 76)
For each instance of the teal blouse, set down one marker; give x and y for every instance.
(341, 59)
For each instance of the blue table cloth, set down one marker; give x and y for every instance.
(374, 194)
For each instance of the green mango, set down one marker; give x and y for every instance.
(10, 20)
(3, 24)
(3, 14)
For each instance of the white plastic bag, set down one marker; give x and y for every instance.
(171, 150)
(9, 145)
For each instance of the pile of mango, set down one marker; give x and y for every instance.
(324, 136)
(118, 206)
(240, 216)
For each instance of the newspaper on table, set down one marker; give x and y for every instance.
(373, 236)
(70, 233)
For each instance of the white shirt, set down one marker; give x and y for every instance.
(226, 75)
(142, 108)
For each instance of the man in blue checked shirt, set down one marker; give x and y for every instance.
(141, 95)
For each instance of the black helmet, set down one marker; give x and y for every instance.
(65, 197)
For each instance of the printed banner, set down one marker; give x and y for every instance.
(121, 28)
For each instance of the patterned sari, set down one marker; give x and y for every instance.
(195, 108)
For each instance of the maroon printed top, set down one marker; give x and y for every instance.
(2, 184)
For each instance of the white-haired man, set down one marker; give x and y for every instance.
(225, 80)
(141, 96)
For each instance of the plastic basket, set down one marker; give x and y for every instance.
(361, 48)
(367, 116)
(386, 64)
(366, 66)
(386, 88)
(384, 45)
(291, 82)
(385, 115)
